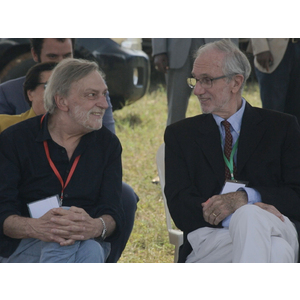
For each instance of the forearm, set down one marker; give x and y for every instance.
(18, 227)
(220, 207)
(110, 225)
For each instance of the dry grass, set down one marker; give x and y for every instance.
(140, 128)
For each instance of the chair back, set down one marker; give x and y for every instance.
(175, 235)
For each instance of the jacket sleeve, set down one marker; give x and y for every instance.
(159, 46)
(183, 197)
(285, 194)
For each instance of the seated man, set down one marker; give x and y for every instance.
(34, 86)
(233, 173)
(68, 153)
(12, 102)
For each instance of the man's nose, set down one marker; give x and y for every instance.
(103, 102)
(198, 89)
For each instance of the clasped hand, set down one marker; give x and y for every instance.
(218, 207)
(67, 226)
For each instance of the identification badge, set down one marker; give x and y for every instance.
(232, 186)
(40, 207)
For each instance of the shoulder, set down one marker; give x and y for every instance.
(9, 120)
(105, 137)
(275, 124)
(23, 128)
(270, 116)
(192, 123)
(12, 84)
(191, 128)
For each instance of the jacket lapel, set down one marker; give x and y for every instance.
(252, 132)
(209, 142)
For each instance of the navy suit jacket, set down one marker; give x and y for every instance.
(268, 158)
(12, 102)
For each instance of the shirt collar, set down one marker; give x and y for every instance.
(45, 135)
(235, 120)
(43, 132)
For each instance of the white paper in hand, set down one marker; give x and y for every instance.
(40, 207)
(232, 186)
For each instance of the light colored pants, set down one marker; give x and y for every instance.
(254, 235)
(36, 251)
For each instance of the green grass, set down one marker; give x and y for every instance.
(140, 128)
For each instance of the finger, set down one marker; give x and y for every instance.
(271, 209)
(77, 210)
(69, 216)
(68, 230)
(67, 242)
(277, 213)
(55, 239)
(60, 211)
(62, 235)
(208, 204)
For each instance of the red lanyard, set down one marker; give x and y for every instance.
(63, 185)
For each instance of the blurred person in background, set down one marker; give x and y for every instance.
(34, 87)
(174, 57)
(277, 68)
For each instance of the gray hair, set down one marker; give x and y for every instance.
(235, 61)
(69, 70)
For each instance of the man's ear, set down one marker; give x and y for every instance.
(61, 103)
(34, 55)
(29, 94)
(237, 83)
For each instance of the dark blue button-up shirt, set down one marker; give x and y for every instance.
(26, 175)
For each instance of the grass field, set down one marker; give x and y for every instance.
(140, 128)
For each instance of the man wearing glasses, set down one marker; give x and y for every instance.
(238, 195)
(174, 57)
(34, 87)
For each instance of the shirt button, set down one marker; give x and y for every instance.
(66, 195)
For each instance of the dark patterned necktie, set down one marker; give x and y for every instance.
(228, 147)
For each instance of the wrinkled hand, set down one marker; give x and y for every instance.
(265, 59)
(161, 62)
(218, 207)
(44, 228)
(74, 224)
(270, 208)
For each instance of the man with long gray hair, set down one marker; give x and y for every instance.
(238, 193)
(60, 193)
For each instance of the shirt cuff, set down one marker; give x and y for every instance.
(253, 197)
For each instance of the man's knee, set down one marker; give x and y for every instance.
(90, 251)
(247, 211)
(248, 217)
(282, 251)
(129, 198)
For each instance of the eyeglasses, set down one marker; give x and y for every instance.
(205, 82)
(44, 83)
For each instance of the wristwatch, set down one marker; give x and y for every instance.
(104, 230)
